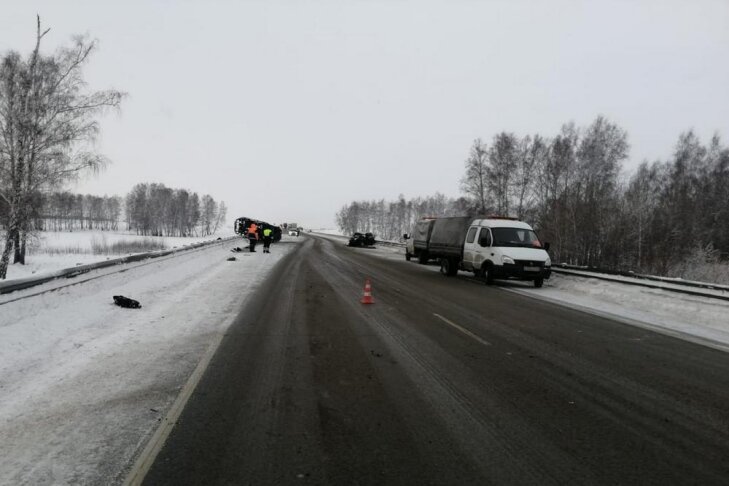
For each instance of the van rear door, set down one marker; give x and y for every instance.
(469, 248)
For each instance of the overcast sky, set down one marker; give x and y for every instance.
(288, 110)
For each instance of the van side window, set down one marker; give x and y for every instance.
(484, 239)
(471, 235)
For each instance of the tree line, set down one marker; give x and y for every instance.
(573, 189)
(157, 210)
(47, 129)
(66, 211)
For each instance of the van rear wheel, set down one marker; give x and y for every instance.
(445, 266)
(448, 267)
(407, 256)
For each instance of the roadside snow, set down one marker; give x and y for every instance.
(83, 383)
(329, 231)
(54, 251)
(687, 316)
(716, 289)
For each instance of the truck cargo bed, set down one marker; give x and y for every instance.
(448, 236)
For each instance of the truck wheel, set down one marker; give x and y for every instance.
(445, 267)
(449, 267)
(407, 256)
(454, 267)
(538, 282)
(423, 258)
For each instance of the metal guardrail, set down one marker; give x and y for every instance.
(608, 278)
(24, 283)
(668, 280)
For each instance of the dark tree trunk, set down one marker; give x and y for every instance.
(17, 256)
(5, 258)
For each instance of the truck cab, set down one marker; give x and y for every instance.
(505, 248)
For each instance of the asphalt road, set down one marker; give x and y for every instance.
(442, 381)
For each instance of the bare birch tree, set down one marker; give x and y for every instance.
(473, 182)
(47, 124)
(499, 172)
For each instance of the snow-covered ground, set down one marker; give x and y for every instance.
(83, 383)
(694, 318)
(329, 231)
(52, 251)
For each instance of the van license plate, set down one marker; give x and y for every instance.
(531, 269)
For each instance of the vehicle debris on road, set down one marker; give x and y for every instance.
(126, 302)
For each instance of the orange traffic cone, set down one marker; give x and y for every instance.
(367, 298)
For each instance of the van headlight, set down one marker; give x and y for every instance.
(507, 260)
(548, 262)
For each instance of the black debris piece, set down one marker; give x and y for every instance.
(126, 302)
(237, 249)
(232, 259)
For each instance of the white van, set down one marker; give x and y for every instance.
(505, 248)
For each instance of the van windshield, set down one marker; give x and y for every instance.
(515, 237)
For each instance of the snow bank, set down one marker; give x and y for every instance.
(695, 318)
(83, 383)
(53, 251)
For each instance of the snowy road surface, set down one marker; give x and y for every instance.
(442, 381)
(83, 383)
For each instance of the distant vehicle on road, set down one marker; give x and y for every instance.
(494, 247)
(360, 240)
(294, 231)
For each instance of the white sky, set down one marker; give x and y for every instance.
(288, 110)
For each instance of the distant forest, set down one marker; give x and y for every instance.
(664, 217)
(148, 209)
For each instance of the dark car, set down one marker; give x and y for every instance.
(360, 239)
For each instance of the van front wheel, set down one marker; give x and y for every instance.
(538, 282)
(487, 274)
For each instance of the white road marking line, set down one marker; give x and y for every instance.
(463, 330)
(154, 446)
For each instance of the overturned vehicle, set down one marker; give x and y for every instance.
(241, 226)
(362, 239)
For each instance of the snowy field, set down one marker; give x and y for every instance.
(698, 319)
(51, 251)
(329, 231)
(84, 384)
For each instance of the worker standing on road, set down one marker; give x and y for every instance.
(252, 237)
(267, 237)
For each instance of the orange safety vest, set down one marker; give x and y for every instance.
(252, 230)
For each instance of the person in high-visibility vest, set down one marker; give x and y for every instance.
(267, 238)
(252, 237)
